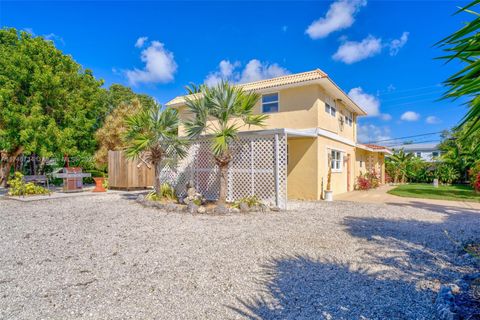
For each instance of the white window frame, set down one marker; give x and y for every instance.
(271, 102)
(349, 118)
(329, 108)
(338, 161)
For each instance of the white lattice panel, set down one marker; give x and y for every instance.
(259, 167)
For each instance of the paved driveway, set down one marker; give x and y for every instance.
(380, 196)
(106, 257)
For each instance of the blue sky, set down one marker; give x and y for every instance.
(380, 52)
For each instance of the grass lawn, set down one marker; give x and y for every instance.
(427, 191)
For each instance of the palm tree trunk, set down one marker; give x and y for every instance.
(222, 197)
(158, 170)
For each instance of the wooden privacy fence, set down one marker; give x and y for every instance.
(124, 173)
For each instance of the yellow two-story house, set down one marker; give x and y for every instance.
(321, 122)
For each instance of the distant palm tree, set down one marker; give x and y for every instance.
(153, 133)
(400, 162)
(221, 111)
(464, 45)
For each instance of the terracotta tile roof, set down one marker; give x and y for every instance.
(374, 146)
(269, 83)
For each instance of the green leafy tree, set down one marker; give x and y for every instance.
(153, 134)
(461, 149)
(463, 45)
(49, 104)
(120, 95)
(398, 165)
(221, 111)
(110, 135)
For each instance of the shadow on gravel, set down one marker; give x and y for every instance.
(437, 208)
(303, 288)
(412, 259)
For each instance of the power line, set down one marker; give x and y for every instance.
(409, 90)
(406, 137)
(413, 96)
(416, 142)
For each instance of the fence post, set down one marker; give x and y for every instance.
(252, 170)
(277, 171)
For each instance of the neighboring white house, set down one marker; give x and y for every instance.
(426, 151)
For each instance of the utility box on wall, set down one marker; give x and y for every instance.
(128, 174)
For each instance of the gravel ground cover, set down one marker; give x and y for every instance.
(106, 257)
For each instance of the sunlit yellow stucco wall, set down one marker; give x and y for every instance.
(299, 108)
(302, 168)
(304, 108)
(367, 161)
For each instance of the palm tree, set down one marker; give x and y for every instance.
(221, 111)
(463, 45)
(153, 133)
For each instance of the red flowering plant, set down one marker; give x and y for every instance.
(476, 184)
(363, 183)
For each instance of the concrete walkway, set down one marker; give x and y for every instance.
(381, 196)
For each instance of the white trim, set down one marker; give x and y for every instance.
(336, 137)
(329, 150)
(364, 147)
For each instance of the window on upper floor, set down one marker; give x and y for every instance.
(330, 110)
(270, 103)
(336, 160)
(349, 118)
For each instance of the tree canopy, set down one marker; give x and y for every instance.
(49, 103)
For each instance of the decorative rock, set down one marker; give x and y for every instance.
(235, 210)
(192, 208)
(244, 207)
(171, 207)
(220, 209)
(275, 208)
(202, 210)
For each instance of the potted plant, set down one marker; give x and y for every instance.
(328, 191)
(99, 178)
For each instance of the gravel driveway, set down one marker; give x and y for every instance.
(106, 257)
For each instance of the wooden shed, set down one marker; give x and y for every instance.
(127, 174)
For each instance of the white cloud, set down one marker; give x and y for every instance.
(432, 120)
(254, 70)
(140, 42)
(352, 51)
(49, 36)
(386, 116)
(371, 133)
(368, 102)
(410, 116)
(160, 66)
(340, 15)
(225, 72)
(396, 44)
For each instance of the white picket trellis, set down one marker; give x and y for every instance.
(259, 168)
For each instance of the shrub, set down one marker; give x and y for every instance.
(476, 184)
(446, 174)
(363, 183)
(251, 201)
(373, 178)
(167, 192)
(18, 187)
(474, 174)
